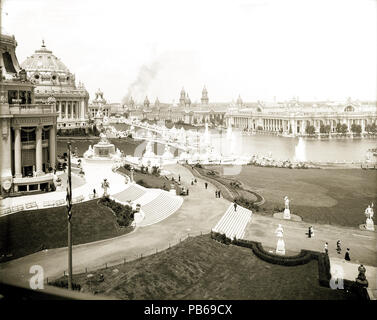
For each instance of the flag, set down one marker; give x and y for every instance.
(69, 184)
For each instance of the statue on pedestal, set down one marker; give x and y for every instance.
(105, 185)
(361, 278)
(287, 211)
(280, 247)
(369, 213)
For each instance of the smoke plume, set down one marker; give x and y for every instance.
(138, 89)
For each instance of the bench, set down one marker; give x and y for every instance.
(31, 205)
(50, 203)
(17, 208)
(60, 202)
(5, 210)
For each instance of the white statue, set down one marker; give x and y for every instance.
(287, 211)
(369, 213)
(89, 153)
(286, 202)
(280, 246)
(105, 185)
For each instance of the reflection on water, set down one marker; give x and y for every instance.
(282, 148)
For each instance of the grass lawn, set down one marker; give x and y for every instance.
(201, 268)
(26, 232)
(150, 180)
(327, 196)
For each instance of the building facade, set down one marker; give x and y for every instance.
(28, 129)
(295, 118)
(185, 112)
(99, 105)
(53, 78)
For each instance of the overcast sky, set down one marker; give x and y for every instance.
(256, 48)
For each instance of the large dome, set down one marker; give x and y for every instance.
(45, 68)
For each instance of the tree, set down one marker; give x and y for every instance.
(371, 128)
(310, 130)
(341, 128)
(325, 129)
(344, 128)
(356, 128)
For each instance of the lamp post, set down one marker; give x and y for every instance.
(69, 216)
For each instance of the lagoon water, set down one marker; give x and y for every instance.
(281, 148)
(284, 148)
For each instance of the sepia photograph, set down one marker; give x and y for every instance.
(188, 158)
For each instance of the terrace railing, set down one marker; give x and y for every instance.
(32, 109)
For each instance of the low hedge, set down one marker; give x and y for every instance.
(304, 257)
(123, 213)
(63, 283)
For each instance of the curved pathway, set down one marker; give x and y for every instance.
(199, 212)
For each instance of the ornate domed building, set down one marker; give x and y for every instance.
(204, 98)
(53, 79)
(99, 104)
(146, 102)
(28, 129)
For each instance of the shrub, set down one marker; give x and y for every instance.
(143, 183)
(156, 171)
(246, 203)
(123, 213)
(63, 283)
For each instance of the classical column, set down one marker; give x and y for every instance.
(66, 109)
(77, 110)
(60, 109)
(38, 151)
(72, 110)
(52, 146)
(17, 152)
(82, 109)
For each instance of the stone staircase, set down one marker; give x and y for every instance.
(132, 193)
(233, 223)
(160, 208)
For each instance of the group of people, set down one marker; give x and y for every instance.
(217, 194)
(347, 256)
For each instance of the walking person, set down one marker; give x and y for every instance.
(309, 232)
(206, 185)
(94, 193)
(216, 193)
(326, 248)
(338, 247)
(187, 191)
(179, 178)
(347, 255)
(219, 194)
(235, 206)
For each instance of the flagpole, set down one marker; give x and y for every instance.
(69, 207)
